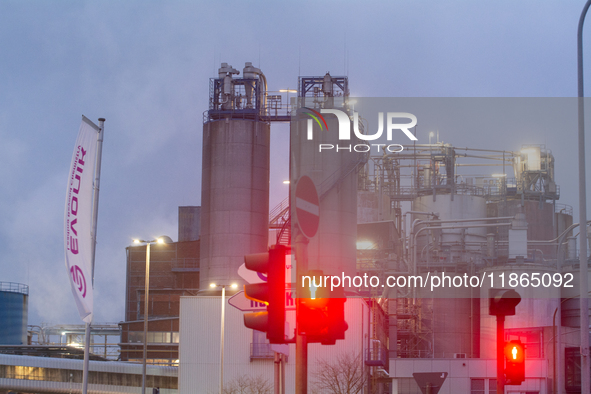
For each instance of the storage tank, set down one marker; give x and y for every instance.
(457, 243)
(234, 197)
(333, 248)
(14, 301)
(235, 176)
(541, 220)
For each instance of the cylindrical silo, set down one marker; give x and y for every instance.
(455, 245)
(541, 220)
(333, 171)
(14, 301)
(234, 197)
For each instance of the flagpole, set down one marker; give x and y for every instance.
(99, 151)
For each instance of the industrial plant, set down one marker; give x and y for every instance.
(423, 230)
(423, 210)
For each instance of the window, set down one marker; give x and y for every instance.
(260, 347)
(135, 337)
(492, 386)
(477, 386)
(153, 337)
(532, 338)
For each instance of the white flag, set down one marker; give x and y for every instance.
(78, 218)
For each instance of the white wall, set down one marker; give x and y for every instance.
(460, 371)
(199, 346)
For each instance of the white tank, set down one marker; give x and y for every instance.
(455, 241)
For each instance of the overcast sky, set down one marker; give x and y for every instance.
(145, 67)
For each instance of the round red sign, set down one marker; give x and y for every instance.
(307, 206)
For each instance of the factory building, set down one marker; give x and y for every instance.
(27, 374)
(391, 215)
(174, 272)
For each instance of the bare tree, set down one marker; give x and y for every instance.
(341, 376)
(248, 385)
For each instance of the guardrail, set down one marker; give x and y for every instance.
(14, 287)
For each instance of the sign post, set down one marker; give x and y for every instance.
(307, 217)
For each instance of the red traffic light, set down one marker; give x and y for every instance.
(271, 293)
(515, 362)
(320, 314)
(502, 302)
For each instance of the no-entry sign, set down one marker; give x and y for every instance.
(307, 206)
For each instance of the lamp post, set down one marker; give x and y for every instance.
(213, 286)
(161, 240)
(583, 264)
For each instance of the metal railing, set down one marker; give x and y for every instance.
(376, 357)
(261, 350)
(14, 287)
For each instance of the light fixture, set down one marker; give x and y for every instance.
(160, 240)
(365, 244)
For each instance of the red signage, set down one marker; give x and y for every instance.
(307, 206)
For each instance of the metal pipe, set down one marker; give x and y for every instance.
(222, 340)
(95, 201)
(146, 297)
(446, 228)
(583, 268)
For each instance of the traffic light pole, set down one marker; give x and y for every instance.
(301, 255)
(500, 354)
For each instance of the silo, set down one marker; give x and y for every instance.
(14, 301)
(235, 178)
(333, 171)
(460, 242)
(541, 220)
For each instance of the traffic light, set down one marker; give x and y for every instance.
(312, 318)
(502, 302)
(515, 363)
(271, 293)
(336, 317)
(321, 314)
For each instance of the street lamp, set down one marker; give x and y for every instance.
(583, 262)
(160, 240)
(213, 286)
